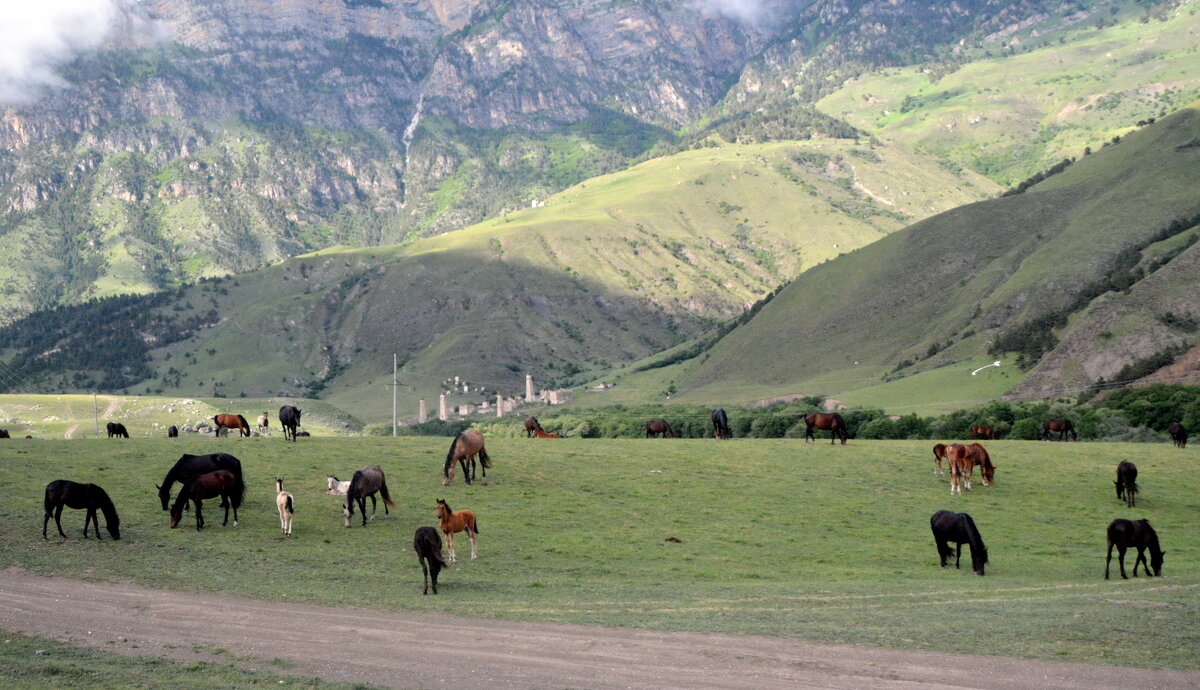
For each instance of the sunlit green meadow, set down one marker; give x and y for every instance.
(818, 542)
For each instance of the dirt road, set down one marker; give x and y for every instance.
(433, 650)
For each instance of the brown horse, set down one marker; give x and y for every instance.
(961, 465)
(1140, 535)
(1062, 427)
(538, 433)
(825, 421)
(983, 432)
(939, 453)
(979, 456)
(457, 521)
(220, 483)
(660, 428)
(531, 426)
(1178, 434)
(231, 421)
(89, 497)
(465, 447)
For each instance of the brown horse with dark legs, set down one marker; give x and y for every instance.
(89, 497)
(660, 428)
(983, 432)
(457, 521)
(1062, 427)
(465, 447)
(939, 454)
(366, 482)
(428, 546)
(220, 483)
(231, 421)
(1178, 434)
(1138, 534)
(825, 421)
(531, 426)
(1127, 487)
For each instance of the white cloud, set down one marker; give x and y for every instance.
(37, 36)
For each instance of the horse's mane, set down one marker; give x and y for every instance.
(448, 508)
(979, 554)
(450, 455)
(105, 504)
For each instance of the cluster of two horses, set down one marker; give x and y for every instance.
(428, 544)
(962, 461)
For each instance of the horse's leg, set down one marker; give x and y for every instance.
(374, 506)
(90, 516)
(471, 533)
(199, 515)
(46, 522)
(466, 476)
(58, 520)
(957, 555)
(1141, 558)
(1108, 561)
(1121, 561)
(424, 573)
(450, 545)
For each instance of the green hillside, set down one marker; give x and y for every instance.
(1076, 275)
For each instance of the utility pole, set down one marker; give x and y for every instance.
(395, 383)
(96, 413)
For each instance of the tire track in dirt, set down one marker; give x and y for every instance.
(427, 650)
(70, 432)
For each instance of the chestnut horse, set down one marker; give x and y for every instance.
(89, 497)
(979, 456)
(1062, 427)
(231, 421)
(720, 422)
(1178, 434)
(1127, 487)
(457, 521)
(220, 483)
(983, 432)
(538, 433)
(1140, 535)
(660, 428)
(830, 421)
(939, 453)
(531, 425)
(428, 546)
(465, 447)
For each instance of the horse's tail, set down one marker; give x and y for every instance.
(239, 489)
(484, 459)
(384, 492)
(245, 425)
(450, 455)
(290, 508)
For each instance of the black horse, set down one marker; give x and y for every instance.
(289, 419)
(188, 467)
(428, 546)
(364, 483)
(116, 429)
(63, 492)
(720, 422)
(1140, 535)
(1178, 434)
(172, 431)
(1127, 487)
(954, 527)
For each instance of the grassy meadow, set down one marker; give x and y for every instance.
(818, 542)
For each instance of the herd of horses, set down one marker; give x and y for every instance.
(289, 421)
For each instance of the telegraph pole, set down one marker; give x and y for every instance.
(96, 413)
(395, 383)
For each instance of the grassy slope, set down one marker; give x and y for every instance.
(780, 538)
(1009, 117)
(956, 278)
(607, 272)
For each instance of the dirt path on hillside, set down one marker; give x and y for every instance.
(436, 650)
(113, 406)
(70, 432)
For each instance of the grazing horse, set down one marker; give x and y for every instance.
(830, 421)
(172, 431)
(220, 483)
(263, 422)
(457, 521)
(979, 456)
(983, 432)
(366, 482)
(954, 527)
(116, 429)
(231, 421)
(428, 546)
(188, 467)
(939, 453)
(89, 497)
(1178, 434)
(531, 426)
(289, 419)
(465, 446)
(1140, 535)
(720, 422)
(336, 487)
(1126, 482)
(286, 505)
(1063, 427)
(659, 427)
(4, 433)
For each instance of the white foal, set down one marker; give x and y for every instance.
(287, 508)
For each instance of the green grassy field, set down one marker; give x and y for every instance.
(817, 542)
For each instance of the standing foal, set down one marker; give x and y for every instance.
(456, 521)
(286, 506)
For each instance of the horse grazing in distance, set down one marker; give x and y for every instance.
(188, 467)
(89, 497)
(263, 422)
(1140, 535)
(979, 456)
(366, 482)
(542, 434)
(116, 429)
(531, 426)
(1178, 434)
(720, 422)
(983, 432)
(939, 454)
(289, 419)
(959, 528)
(231, 421)
(1126, 482)
(428, 546)
(457, 521)
(660, 428)
(172, 431)
(220, 483)
(336, 487)
(465, 446)
(4, 433)
(286, 505)
(830, 421)
(1062, 427)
